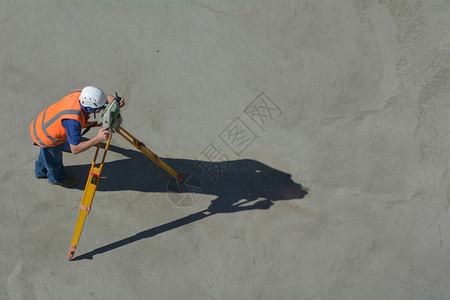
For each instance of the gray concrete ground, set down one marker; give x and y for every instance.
(317, 134)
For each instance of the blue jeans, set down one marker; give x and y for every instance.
(50, 164)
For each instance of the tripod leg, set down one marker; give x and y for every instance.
(88, 197)
(155, 158)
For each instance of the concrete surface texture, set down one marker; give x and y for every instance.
(316, 133)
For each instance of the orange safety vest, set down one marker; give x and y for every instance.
(47, 130)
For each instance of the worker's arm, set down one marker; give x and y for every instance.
(101, 136)
(110, 99)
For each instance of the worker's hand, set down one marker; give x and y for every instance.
(122, 102)
(110, 99)
(103, 135)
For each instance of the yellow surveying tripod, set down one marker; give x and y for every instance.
(111, 120)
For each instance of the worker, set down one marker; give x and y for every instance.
(59, 127)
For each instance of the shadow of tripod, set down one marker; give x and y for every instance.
(239, 185)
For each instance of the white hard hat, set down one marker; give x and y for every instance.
(92, 97)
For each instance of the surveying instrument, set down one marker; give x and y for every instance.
(110, 120)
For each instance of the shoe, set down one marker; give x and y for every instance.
(41, 176)
(69, 182)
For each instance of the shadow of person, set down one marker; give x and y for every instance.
(238, 185)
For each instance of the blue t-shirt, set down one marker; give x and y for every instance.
(73, 128)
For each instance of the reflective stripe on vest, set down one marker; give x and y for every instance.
(36, 135)
(44, 125)
(50, 122)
